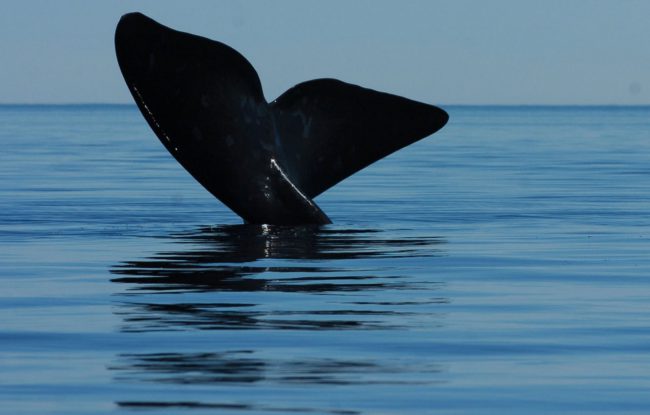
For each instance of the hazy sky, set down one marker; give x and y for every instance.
(442, 52)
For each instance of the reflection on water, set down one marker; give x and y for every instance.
(228, 407)
(207, 262)
(279, 280)
(213, 316)
(269, 259)
(243, 366)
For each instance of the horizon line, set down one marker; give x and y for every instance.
(133, 104)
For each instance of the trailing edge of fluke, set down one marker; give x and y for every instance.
(265, 161)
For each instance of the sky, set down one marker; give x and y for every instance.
(442, 52)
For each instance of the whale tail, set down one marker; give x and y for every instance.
(265, 161)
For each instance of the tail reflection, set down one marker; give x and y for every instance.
(272, 259)
(243, 366)
(281, 280)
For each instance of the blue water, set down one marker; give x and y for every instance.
(501, 266)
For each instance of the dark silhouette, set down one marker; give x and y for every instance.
(265, 161)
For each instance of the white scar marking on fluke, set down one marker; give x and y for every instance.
(275, 165)
(155, 121)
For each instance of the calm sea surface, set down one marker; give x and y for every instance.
(501, 266)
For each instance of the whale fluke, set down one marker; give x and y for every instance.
(265, 161)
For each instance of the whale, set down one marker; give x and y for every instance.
(266, 161)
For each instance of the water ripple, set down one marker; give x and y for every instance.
(277, 261)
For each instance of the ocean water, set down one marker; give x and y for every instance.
(499, 266)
